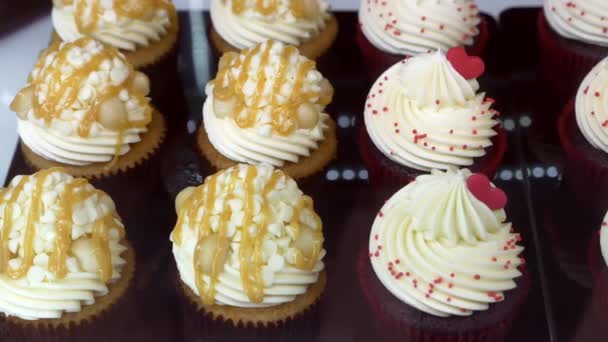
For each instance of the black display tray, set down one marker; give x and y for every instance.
(558, 305)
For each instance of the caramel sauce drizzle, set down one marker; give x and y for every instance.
(61, 94)
(250, 251)
(267, 7)
(133, 9)
(284, 116)
(74, 192)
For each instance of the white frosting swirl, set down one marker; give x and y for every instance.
(591, 106)
(109, 26)
(604, 239)
(279, 80)
(282, 280)
(251, 27)
(410, 27)
(50, 122)
(439, 249)
(421, 113)
(40, 294)
(585, 21)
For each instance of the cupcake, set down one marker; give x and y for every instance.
(240, 24)
(266, 105)
(146, 31)
(249, 250)
(573, 38)
(85, 109)
(393, 29)
(425, 113)
(443, 264)
(66, 268)
(583, 133)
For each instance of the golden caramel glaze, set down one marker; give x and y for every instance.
(73, 193)
(250, 251)
(284, 114)
(267, 7)
(62, 91)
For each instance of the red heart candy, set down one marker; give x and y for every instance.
(480, 187)
(468, 66)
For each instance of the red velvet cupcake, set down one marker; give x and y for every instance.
(433, 275)
(583, 132)
(598, 264)
(425, 113)
(573, 37)
(391, 30)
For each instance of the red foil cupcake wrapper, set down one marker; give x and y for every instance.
(377, 61)
(582, 175)
(560, 69)
(594, 256)
(405, 332)
(379, 174)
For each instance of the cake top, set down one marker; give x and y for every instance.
(50, 223)
(582, 20)
(125, 24)
(441, 244)
(425, 112)
(270, 85)
(410, 27)
(247, 220)
(82, 88)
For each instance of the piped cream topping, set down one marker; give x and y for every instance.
(60, 245)
(591, 106)
(440, 249)
(83, 103)
(585, 21)
(421, 113)
(247, 237)
(124, 24)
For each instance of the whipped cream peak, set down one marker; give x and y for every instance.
(431, 80)
(590, 106)
(124, 24)
(410, 27)
(247, 237)
(246, 23)
(439, 249)
(82, 93)
(57, 233)
(422, 114)
(582, 20)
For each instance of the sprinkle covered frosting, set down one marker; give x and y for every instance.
(410, 27)
(604, 239)
(124, 24)
(246, 23)
(422, 113)
(60, 245)
(247, 237)
(585, 21)
(266, 105)
(437, 245)
(83, 104)
(590, 107)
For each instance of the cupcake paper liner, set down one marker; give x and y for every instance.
(107, 319)
(594, 256)
(229, 323)
(377, 61)
(313, 49)
(582, 175)
(404, 331)
(379, 173)
(561, 69)
(139, 160)
(304, 169)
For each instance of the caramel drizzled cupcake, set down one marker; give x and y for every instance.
(240, 24)
(86, 109)
(266, 105)
(146, 31)
(249, 248)
(65, 266)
